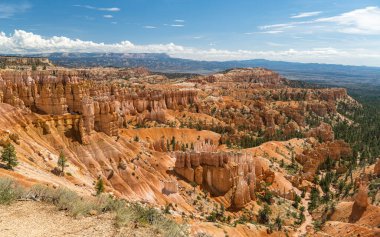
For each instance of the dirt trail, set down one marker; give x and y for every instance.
(302, 230)
(34, 219)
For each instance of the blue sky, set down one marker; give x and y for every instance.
(344, 32)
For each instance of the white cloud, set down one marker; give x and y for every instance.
(272, 32)
(22, 42)
(111, 9)
(364, 21)
(9, 10)
(107, 9)
(359, 21)
(306, 14)
(150, 27)
(108, 16)
(283, 26)
(178, 20)
(177, 25)
(272, 44)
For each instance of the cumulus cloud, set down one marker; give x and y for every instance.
(9, 10)
(26, 42)
(150, 27)
(107, 16)
(306, 14)
(22, 42)
(107, 9)
(177, 25)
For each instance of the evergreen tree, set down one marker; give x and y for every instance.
(99, 186)
(278, 223)
(314, 198)
(264, 213)
(167, 145)
(9, 156)
(173, 142)
(62, 162)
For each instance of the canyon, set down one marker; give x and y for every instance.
(237, 141)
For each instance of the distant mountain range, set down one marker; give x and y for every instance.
(330, 74)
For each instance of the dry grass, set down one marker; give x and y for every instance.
(126, 214)
(10, 191)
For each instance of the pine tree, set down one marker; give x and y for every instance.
(99, 186)
(167, 145)
(62, 162)
(9, 156)
(278, 223)
(173, 142)
(314, 198)
(264, 214)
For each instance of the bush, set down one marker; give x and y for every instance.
(65, 199)
(278, 223)
(264, 213)
(62, 162)
(9, 191)
(267, 197)
(99, 186)
(317, 225)
(148, 216)
(75, 205)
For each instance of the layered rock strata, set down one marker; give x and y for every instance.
(103, 107)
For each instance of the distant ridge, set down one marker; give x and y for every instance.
(329, 74)
(13, 61)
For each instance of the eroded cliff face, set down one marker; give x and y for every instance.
(104, 107)
(152, 139)
(259, 102)
(222, 173)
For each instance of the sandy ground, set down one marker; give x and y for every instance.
(33, 219)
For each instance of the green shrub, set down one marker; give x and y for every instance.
(99, 186)
(264, 213)
(148, 216)
(75, 205)
(9, 191)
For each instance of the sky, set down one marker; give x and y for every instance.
(321, 31)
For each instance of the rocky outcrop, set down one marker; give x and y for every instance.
(312, 158)
(323, 132)
(170, 187)
(222, 173)
(360, 204)
(252, 75)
